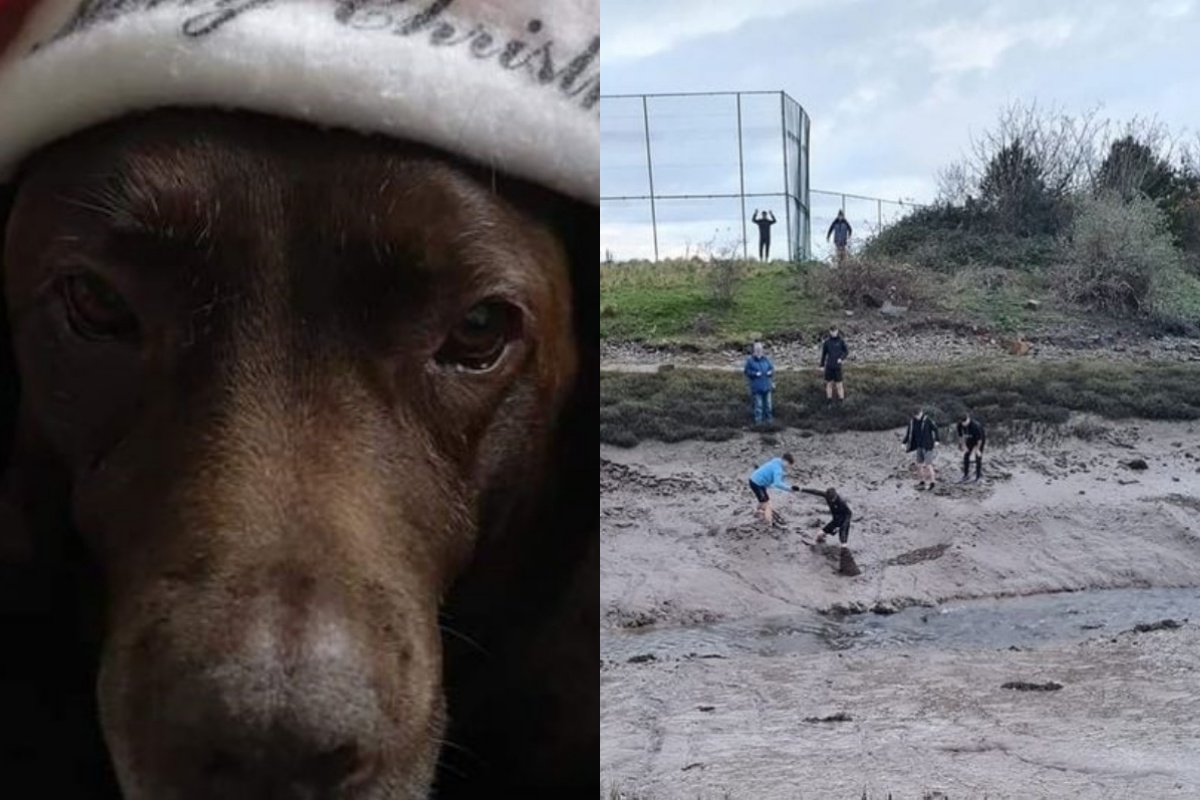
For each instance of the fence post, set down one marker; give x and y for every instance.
(787, 205)
(650, 171)
(742, 178)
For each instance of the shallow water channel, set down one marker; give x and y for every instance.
(1023, 622)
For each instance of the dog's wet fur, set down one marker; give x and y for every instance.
(295, 507)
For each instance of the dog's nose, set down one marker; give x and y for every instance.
(290, 715)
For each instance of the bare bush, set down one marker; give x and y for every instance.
(725, 271)
(1065, 150)
(869, 283)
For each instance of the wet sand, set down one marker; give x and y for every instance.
(680, 545)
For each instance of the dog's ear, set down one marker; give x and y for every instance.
(579, 224)
(13, 541)
(8, 369)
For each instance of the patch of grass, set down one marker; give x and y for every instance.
(673, 301)
(684, 404)
(997, 297)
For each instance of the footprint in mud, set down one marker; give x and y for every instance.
(919, 556)
(614, 477)
(748, 530)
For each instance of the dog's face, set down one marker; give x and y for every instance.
(280, 381)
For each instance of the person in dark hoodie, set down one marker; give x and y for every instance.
(840, 230)
(840, 524)
(833, 353)
(760, 374)
(971, 440)
(921, 438)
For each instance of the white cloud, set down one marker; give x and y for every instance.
(636, 30)
(865, 98)
(1172, 9)
(957, 47)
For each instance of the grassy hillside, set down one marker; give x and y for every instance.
(673, 302)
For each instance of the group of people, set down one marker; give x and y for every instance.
(839, 229)
(760, 375)
(921, 438)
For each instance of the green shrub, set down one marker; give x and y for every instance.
(1121, 258)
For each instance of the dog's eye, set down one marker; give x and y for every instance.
(480, 338)
(96, 310)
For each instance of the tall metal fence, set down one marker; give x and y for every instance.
(683, 173)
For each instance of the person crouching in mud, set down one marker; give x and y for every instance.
(840, 524)
(770, 476)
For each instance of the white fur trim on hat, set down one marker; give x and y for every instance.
(513, 85)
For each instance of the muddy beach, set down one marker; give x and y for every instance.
(694, 704)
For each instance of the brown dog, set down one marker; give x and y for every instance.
(298, 455)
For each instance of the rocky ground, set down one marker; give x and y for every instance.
(917, 343)
(680, 546)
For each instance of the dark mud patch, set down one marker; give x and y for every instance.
(919, 556)
(1026, 686)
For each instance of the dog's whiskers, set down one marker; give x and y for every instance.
(462, 637)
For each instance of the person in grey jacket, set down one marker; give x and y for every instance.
(760, 374)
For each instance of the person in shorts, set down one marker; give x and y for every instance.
(833, 354)
(971, 440)
(921, 438)
(770, 476)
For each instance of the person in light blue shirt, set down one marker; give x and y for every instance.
(770, 476)
(760, 373)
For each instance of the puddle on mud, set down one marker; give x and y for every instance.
(1024, 622)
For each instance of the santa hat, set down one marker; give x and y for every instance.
(512, 84)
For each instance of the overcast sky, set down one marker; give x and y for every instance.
(894, 89)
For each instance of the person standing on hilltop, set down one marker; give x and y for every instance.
(770, 476)
(971, 440)
(764, 223)
(841, 231)
(921, 438)
(760, 373)
(833, 354)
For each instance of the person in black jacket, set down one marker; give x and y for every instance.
(833, 353)
(764, 222)
(838, 507)
(921, 438)
(971, 440)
